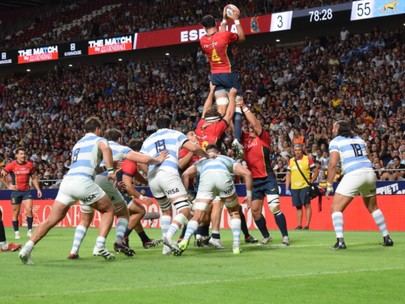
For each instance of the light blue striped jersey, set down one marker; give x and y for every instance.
(86, 156)
(119, 152)
(352, 151)
(219, 164)
(164, 140)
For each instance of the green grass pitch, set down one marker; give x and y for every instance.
(306, 272)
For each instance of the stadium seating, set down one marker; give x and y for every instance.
(292, 90)
(90, 19)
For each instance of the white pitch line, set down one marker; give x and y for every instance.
(204, 282)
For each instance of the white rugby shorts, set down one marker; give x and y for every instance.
(167, 184)
(79, 188)
(359, 182)
(112, 192)
(215, 184)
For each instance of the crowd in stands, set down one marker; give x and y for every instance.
(297, 93)
(80, 19)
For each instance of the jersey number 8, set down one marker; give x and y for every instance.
(75, 155)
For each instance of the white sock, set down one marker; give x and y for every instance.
(27, 248)
(337, 219)
(235, 226)
(380, 221)
(120, 229)
(171, 231)
(191, 228)
(100, 242)
(165, 221)
(80, 233)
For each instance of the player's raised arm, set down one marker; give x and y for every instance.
(239, 29)
(240, 170)
(251, 118)
(210, 99)
(232, 12)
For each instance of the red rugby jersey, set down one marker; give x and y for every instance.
(183, 152)
(257, 154)
(210, 134)
(20, 174)
(129, 167)
(216, 48)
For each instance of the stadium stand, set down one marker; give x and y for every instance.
(90, 19)
(296, 91)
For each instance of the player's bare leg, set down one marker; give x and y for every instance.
(217, 207)
(232, 204)
(28, 212)
(16, 226)
(136, 213)
(308, 215)
(200, 207)
(183, 209)
(121, 226)
(260, 221)
(106, 209)
(58, 212)
(80, 233)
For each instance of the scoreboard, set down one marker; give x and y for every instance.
(297, 21)
(366, 9)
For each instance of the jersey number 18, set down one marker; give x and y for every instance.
(357, 150)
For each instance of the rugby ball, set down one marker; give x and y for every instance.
(232, 11)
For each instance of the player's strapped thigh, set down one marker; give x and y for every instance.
(272, 194)
(164, 203)
(221, 97)
(86, 209)
(181, 202)
(200, 204)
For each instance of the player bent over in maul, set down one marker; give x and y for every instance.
(216, 178)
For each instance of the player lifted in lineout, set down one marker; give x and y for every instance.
(216, 46)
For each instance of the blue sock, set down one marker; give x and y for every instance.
(281, 223)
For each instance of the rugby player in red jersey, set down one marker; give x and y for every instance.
(210, 130)
(216, 46)
(186, 157)
(4, 246)
(21, 170)
(256, 144)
